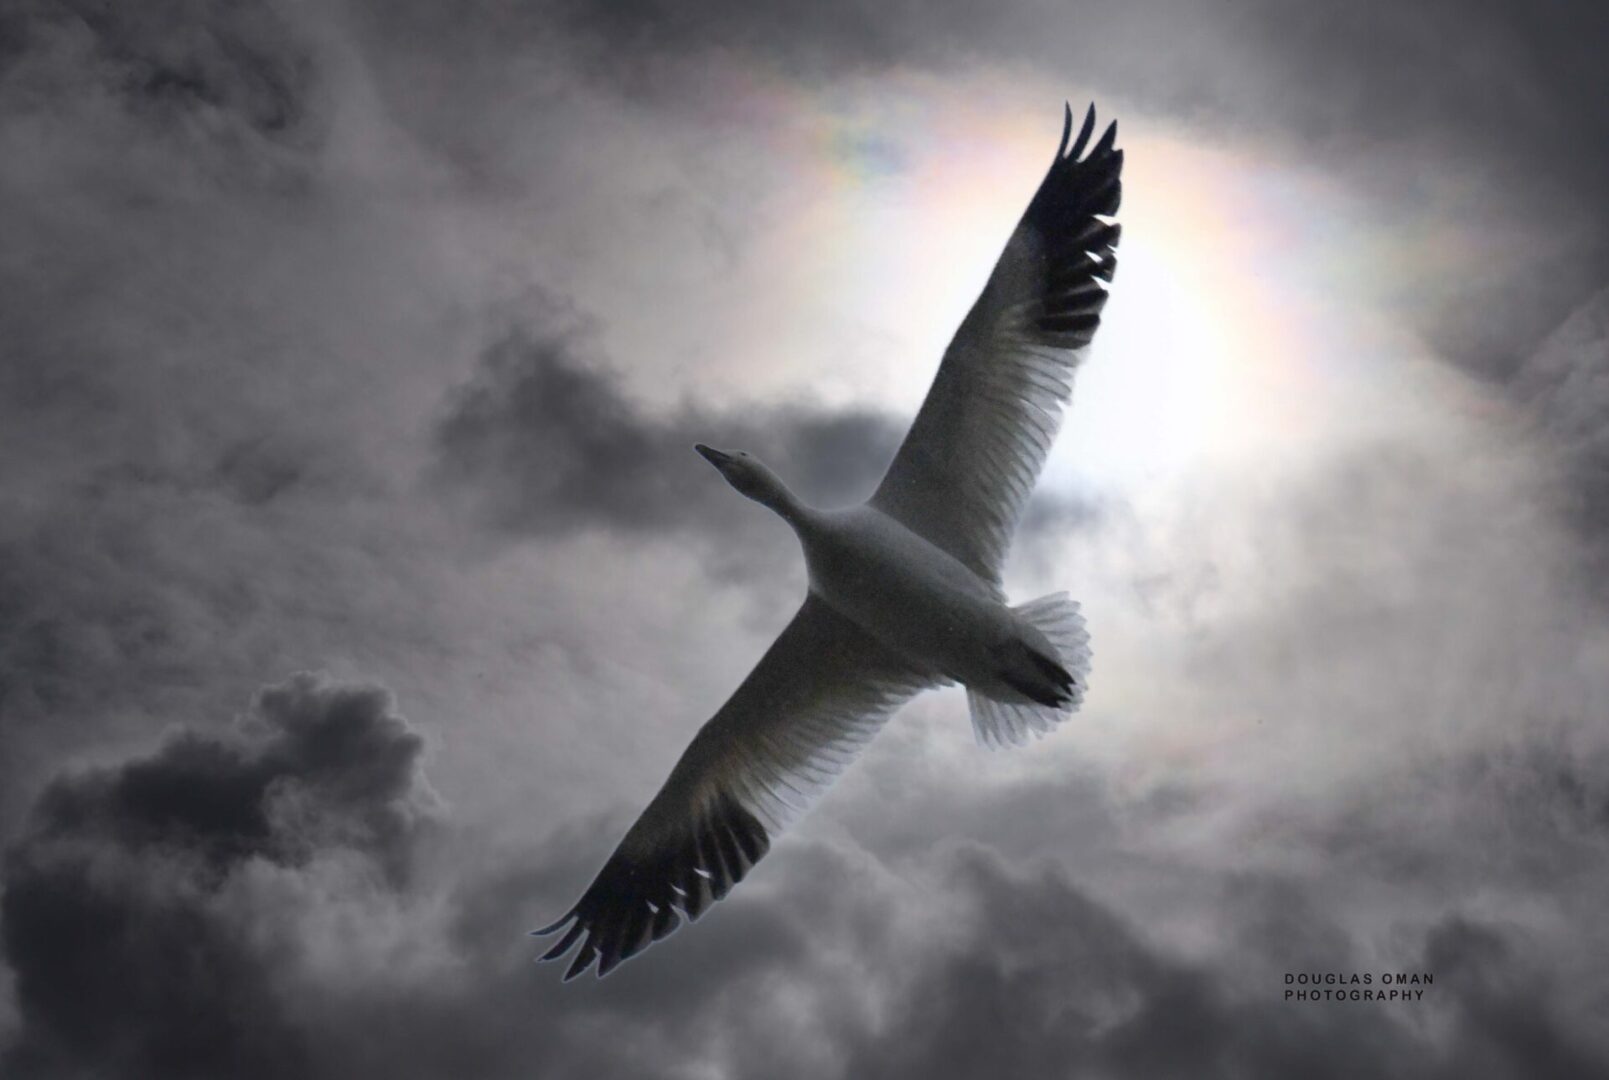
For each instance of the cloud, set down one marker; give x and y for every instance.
(1040, 980)
(1565, 394)
(547, 444)
(193, 911)
(249, 62)
(1334, 77)
(124, 916)
(1509, 1020)
(166, 191)
(231, 89)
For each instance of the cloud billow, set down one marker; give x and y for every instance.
(151, 934)
(201, 67)
(1565, 393)
(126, 915)
(545, 444)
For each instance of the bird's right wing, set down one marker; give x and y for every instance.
(822, 690)
(963, 474)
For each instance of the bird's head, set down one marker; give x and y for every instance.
(745, 472)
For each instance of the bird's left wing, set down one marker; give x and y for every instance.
(822, 690)
(963, 474)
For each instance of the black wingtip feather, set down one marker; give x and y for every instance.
(1107, 140)
(554, 927)
(583, 960)
(737, 853)
(636, 901)
(563, 945)
(1083, 133)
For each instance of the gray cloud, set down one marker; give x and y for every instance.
(1027, 973)
(1046, 982)
(162, 190)
(1043, 981)
(233, 87)
(1509, 1019)
(132, 879)
(1516, 87)
(550, 445)
(121, 917)
(1552, 798)
(1566, 398)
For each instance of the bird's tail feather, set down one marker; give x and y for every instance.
(1000, 723)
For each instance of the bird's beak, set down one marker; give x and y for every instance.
(712, 455)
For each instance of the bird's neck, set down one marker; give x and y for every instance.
(785, 504)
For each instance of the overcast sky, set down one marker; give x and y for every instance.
(358, 583)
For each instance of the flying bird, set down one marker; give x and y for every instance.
(905, 589)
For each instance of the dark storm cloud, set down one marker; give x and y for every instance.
(125, 130)
(1508, 1021)
(1043, 981)
(1507, 99)
(1566, 395)
(135, 956)
(834, 38)
(130, 954)
(1522, 84)
(200, 65)
(551, 445)
(1029, 976)
(158, 163)
(1552, 797)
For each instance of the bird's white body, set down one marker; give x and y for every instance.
(914, 597)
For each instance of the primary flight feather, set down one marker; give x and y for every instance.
(905, 590)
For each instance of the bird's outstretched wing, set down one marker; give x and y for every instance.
(963, 474)
(821, 691)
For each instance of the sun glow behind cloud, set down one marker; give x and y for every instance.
(1247, 328)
